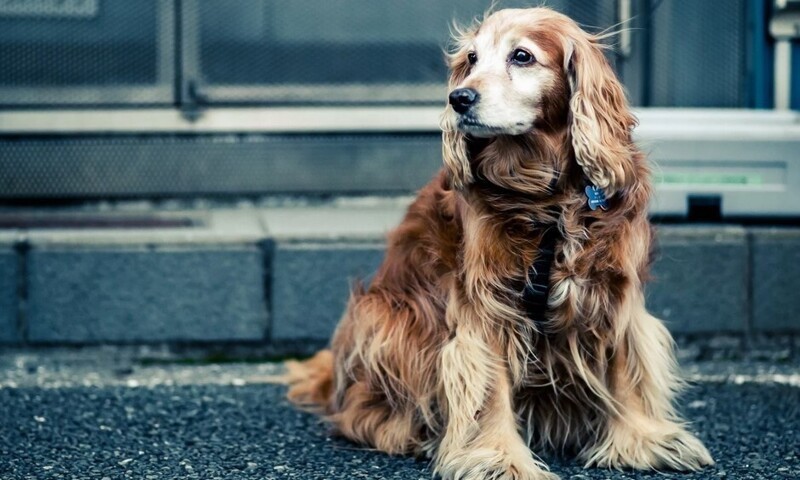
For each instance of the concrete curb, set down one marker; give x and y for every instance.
(775, 257)
(11, 332)
(700, 279)
(280, 276)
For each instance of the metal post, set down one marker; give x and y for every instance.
(783, 74)
(784, 26)
(625, 10)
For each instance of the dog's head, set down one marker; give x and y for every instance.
(534, 72)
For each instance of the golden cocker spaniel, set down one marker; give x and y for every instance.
(508, 314)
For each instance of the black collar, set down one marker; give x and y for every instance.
(537, 286)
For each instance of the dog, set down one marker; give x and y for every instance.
(508, 315)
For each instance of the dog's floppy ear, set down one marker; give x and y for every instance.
(600, 119)
(455, 149)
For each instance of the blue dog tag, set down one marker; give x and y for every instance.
(597, 198)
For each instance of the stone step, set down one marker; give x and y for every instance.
(281, 275)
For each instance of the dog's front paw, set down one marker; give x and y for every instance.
(490, 464)
(667, 445)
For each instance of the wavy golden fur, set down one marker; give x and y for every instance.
(438, 358)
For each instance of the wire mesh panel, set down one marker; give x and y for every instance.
(698, 54)
(166, 166)
(322, 51)
(86, 52)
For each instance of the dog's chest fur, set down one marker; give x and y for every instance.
(499, 248)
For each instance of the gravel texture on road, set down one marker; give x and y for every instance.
(246, 430)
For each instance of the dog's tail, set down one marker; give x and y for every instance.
(311, 382)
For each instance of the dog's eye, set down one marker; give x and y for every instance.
(521, 57)
(472, 58)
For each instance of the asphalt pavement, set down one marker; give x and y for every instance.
(106, 421)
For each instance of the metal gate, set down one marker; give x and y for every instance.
(159, 98)
(267, 52)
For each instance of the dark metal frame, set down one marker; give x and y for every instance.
(194, 92)
(160, 92)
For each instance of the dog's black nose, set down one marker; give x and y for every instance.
(463, 98)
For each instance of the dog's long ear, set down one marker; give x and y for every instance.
(601, 121)
(455, 150)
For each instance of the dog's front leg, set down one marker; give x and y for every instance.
(481, 440)
(644, 431)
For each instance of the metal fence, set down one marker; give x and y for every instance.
(164, 98)
(265, 52)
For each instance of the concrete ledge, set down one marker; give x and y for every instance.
(321, 252)
(371, 222)
(201, 283)
(215, 227)
(776, 279)
(700, 279)
(145, 295)
(281, 276)
(9, 294)
(311, 284)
